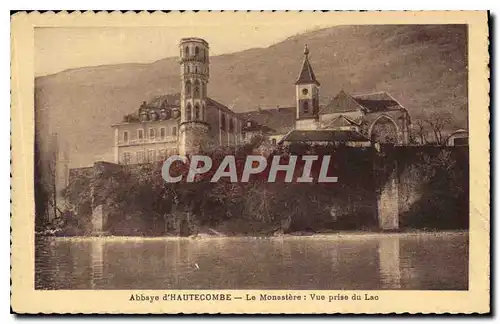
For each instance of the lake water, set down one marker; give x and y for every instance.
(371, 261)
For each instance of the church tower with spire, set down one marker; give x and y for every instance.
(307, 96)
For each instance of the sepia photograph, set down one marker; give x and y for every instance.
(201, 160)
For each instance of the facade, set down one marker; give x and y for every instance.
(191, 122)
(188, 122)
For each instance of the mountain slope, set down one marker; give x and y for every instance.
(423, 66)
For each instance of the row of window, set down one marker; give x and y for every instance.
(226, 126)
(146, 156)
(196, 89)
(198, 114)
(196, 69)
(153, 134)
(198, 53)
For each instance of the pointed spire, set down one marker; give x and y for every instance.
(306, 75)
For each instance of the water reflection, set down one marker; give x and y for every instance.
(426, 261)
(390, 270)
(97, 265)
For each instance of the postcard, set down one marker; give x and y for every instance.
(250, 162)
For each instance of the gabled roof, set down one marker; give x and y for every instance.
(324, 136)
(270, 121)
(369, 103)
(340, 121)
(306, 75)
(342, 102)
(377, 102)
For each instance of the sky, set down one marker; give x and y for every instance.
(61, 48)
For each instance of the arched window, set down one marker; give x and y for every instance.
(188, 89)
(231, 125)
(196, 51)
(305, 107)
(188, 69)
(223, 121)
(197, 112)
(188, 112)
(196, 91)
(186, 51)
(384, 130)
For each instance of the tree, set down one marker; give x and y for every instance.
(437, 121)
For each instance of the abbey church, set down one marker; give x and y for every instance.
(190, 121)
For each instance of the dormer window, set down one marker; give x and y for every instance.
(143, 115)
(163, 114)
(153, 115)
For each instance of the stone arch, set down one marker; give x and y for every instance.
(384, 129)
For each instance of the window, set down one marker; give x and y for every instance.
(126, 158)
(151, 155)
(249, 124)
(162, 154)
(152, 134)
(125, 137)
(243, 135)
(163, 133)
(188, 112)
(305, 107)
(140, 157)
(188, 89)
(140, 134)
(273, 141)
(196, 92)
(186, 51)
(223, 121)
(231, 125)
(197, 112)
(174, 131)
(196, 51)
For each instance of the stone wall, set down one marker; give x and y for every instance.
(397, 188)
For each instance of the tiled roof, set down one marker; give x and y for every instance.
(167, 101)
(373, 102)
(214, 103)
(270, 121)
(306, 75)
(343, 102)
(377, 102)
(324, 136)
(340, 121)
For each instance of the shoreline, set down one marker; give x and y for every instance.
(327, 236)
